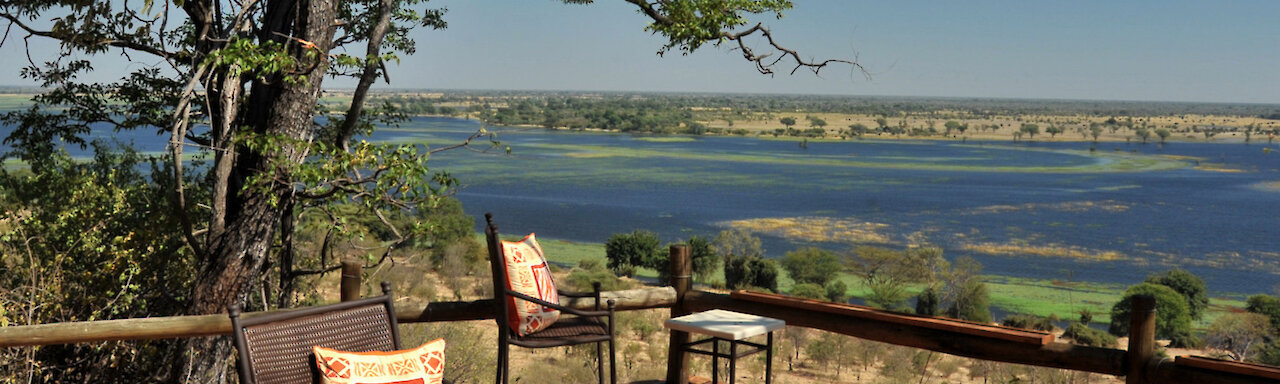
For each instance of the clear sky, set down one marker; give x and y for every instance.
(1174, 50)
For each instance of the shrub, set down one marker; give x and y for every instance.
(1031, 322)
(809, 291)
(1083, 335)
(811, 265)
(626, 251)
(1173, 319)
(1190, 286)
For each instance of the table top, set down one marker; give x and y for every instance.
(724, 324)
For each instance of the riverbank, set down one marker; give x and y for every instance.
(1009, 295)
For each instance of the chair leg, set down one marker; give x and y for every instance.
(599, 363)
(613, 363)
(502, 364)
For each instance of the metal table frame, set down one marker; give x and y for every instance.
(733, 356)
(727, 326)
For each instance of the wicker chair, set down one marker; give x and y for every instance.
(585, 327)
(276, 348)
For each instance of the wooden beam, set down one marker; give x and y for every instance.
(1228, 366)
(681, 268)
(932, 322)
(1055, 355)
(211, 325)
(349, 286)
(1142, 338)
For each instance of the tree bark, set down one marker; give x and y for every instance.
(277, 108)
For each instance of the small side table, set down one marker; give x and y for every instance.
(733, 327)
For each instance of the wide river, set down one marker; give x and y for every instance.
(1042, 210)
(1031, 209)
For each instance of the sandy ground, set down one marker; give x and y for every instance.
(1074, 126)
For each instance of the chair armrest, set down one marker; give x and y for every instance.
(559, 307)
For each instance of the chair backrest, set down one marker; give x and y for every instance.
(277, 347)
(499, 265)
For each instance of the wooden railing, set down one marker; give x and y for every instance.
(1138, 364)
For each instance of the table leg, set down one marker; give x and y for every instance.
(768, 361)
(715, 361)
(733, 361)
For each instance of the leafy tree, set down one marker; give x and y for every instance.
(1053, 130)
(887, 272)
(747, 272)
(1173, 318)
(858, 129)
(1239, 334)
(252, 72)
(1142, 133)
(972, 303)
(788, 121)
(811, 265)
(1187, 284)
(704, 258)
(1163, 134)
(626, 252)
(882, 123)
(951, 125)
(837, 291)
(1266, 305)
(737, 242)
(1095, 131)
(83, 241)
(816, 122)
(927, 302)
(1030, 130)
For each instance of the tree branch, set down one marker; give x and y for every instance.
(95, 41)
(370, 74)
(767, 68)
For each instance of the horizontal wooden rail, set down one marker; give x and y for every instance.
(1184, 364)
(1057, 355)
(985, 343)
(939, 323)
(211, 325)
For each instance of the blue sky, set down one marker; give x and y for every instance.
(1201, 51)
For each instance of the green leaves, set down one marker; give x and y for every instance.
(688, 24)
(242, 56)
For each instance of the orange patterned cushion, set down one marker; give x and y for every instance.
(527, 273)
(421, 365)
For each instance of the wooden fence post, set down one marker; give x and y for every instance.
(1142, 338)
(351, 279)
(681, 279)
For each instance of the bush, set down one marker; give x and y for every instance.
(743, 272)
(588, 272)
(809, 291)
(811, 265)
(1031, 322)
(1083, 335)
(1173, 318)
(626, 252)
(1190, 286)
(927, 302)
(972, 304)
(837, 291)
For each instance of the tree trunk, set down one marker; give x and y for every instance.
(276, 108)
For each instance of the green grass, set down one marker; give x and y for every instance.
(1017, 295)
(666, 139)
(1114, 162)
